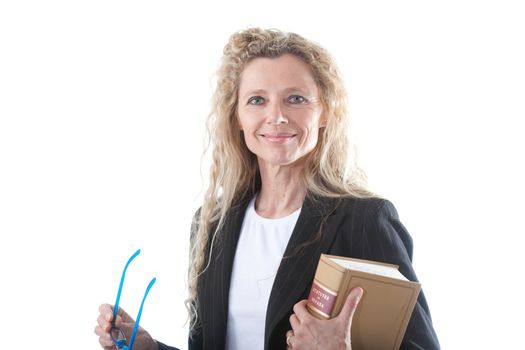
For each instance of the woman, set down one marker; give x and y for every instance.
(281, 193)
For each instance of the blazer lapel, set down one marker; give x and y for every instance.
(310, 237)
(216, 281)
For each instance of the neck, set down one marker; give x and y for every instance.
(282, 190)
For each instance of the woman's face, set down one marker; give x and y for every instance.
(279, 110)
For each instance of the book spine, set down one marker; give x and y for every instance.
(325, 288)
(321, 300)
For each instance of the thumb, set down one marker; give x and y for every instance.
(124, 316)
(350, 305)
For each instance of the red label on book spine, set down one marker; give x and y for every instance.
(322, 299)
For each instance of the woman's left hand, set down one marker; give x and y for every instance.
(309, 332)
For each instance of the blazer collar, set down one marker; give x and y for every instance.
(310, 237)
(214, 290)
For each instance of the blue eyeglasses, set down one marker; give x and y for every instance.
(117, 335)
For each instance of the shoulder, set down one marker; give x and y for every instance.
(358, 211)
(368, 210)
(376, 213)
(367, 203)
(374, 226)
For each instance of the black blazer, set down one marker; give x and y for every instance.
(359, 228)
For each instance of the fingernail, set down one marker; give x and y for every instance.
(108, 317)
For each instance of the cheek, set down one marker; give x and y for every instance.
(239, 124)
(239, 121)
(245, 121)
(246, 127)
(313, 136)
(312, 127)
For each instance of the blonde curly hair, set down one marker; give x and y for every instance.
(329, 171)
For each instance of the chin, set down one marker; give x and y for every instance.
(283, 161)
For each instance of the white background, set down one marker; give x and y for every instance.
(102, 109)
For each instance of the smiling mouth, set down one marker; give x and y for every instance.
(278, 137)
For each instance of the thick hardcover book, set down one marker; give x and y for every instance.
(382, 315)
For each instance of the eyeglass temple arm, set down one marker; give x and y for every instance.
(132, 340)
(115, 308)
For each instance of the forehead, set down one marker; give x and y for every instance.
(283, 72)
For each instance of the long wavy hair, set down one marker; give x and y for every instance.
(330, 169)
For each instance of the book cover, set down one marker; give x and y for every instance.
(385, 308)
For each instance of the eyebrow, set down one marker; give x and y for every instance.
(287, 90)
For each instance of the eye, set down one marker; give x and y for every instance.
(256, 100)
(296, 99)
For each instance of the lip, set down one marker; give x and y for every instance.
(280, 137)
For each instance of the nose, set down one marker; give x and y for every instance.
(275, 114)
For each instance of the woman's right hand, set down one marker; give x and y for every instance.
(309, 332)
(143, 341)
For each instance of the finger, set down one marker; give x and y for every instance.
(106, 345)
(289, 336)
(122, 324)
(107, 311)
(294, 322)
(103, 338)
(103, 323)
(101, 333)
(301, 311)
(350, 305)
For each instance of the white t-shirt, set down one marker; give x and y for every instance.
(261, 246)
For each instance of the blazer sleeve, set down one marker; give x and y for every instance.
(195, 340)
(165, 347)
(386, 239)
(194, 343)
